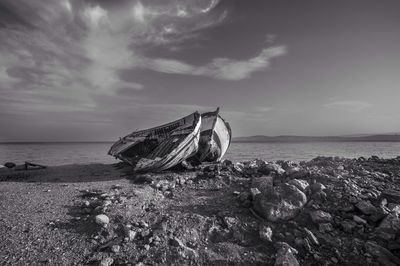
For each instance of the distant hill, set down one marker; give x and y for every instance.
(349, 138)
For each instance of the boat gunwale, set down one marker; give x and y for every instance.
(131, 135)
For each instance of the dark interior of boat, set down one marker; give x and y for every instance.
(140, 150)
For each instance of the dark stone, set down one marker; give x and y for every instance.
(10, 165)
(264, 184)
(366, 207)
(384, 256)
(391, 195)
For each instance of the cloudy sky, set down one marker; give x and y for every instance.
(98, 69)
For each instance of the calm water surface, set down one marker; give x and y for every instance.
(83, 153)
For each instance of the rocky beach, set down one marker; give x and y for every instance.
(326, 211)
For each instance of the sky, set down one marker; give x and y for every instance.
(79, 70)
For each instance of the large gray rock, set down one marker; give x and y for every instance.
(384, 256)
(390, 225)
(319, 216)
(366, 207)
(274, 167)
(284, 203)
(264, 184)
(286, 255)
(300, 184)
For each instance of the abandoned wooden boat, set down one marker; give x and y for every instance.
(215, 138)
(161, 147)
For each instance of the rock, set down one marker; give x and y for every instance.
(264, 184)
(348, 226)
(254, 192)
(390, 226)
(359, 220)
(176, 242)
(265, 233)
(319, 216)
(106, 261)
(107, 203)
(366, 207)
(391, 195)
(115, 248)
(313, 239)
(188, 252)
(145, 233)
(274, 167)
(317, 187)
(143, 224)
(300, 184)
(238, 168)
(286, 255)
(230, 221)
(292, 170)
(246, 195)
(325, 227)
(102, 220)
(116, 186)
(10, 165)
(384, 256)
(227, 162)
(284, 203)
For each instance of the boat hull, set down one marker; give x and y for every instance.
(215, 138)
(161, 147)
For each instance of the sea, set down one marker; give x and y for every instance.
(96, 152)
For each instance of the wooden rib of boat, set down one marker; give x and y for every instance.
(161, 147)
(215, 138)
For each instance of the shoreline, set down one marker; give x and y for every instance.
(327, 209)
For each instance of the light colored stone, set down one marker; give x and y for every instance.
(115, 248)
(265, 233)
(359, 220)
(284, 203)
(286, 255)
(254, 192)
(102, 219)
(276, 168)
(300, 184)
(106, 261)
(313, 239)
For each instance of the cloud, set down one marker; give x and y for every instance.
(58, 59)
(74, 49)
(349, 106)
(264, 109)
(220, 68)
